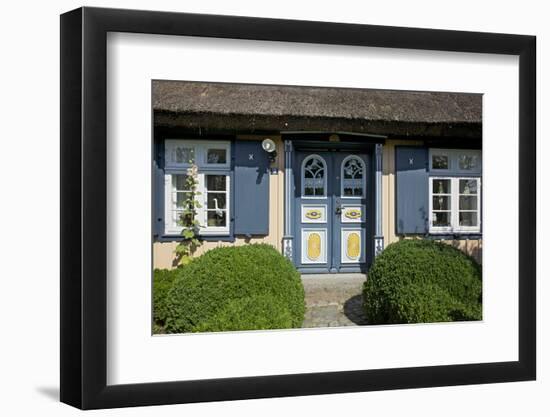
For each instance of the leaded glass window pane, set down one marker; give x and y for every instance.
(353, 181)
(314, 177)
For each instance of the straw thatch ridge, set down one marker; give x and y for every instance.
(272, 107)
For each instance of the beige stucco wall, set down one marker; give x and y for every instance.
(472, 247)
(163, 252)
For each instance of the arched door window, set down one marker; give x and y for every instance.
(353, 177)
(314, 177)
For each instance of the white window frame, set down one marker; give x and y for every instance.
(201, 148)
(441, 229)
(325, 177)
(455, 198)
(206, 230)
(363, 179)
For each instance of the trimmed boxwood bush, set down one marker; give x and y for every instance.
(162, 282)
(236, 288)
(259, 312)
(422, 281)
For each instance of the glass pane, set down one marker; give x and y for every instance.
(467, 187)
(216, 201)
(215, 182)
(313, 175)
(182, 199)
(314, 165)
(441, 219)
(468, 203)
(183, 155)
(467, 218)
(216, 156)
(353, 184)
(440, 162)
(353, 168)
(441, 187)
(314, 186)
(216, 218)
(179, 182)
(352, 181)
(441, 203)
(467, 162)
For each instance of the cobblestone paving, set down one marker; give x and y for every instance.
(333, 300)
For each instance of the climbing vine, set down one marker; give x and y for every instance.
(188, 218)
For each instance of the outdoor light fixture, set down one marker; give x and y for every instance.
(269, 146)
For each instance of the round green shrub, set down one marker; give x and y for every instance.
(422, 281)
(253, 285)
(260, 312)
(162, 282)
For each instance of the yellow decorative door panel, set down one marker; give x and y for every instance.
(352, 246)
(314, 246)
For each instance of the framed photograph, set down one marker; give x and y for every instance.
(259, 208)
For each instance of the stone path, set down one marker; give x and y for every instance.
(333, 300)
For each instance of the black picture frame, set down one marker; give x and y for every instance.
(84, 207)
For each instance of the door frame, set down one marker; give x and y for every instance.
(372, 146)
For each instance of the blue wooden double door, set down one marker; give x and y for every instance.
(332, 211)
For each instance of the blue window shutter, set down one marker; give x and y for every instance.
(412, 192)
(251, 184)
(158, 194)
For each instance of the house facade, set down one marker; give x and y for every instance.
(328, 176)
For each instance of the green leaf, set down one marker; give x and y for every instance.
(188, 234)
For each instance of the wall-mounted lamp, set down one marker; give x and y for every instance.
(269, 146)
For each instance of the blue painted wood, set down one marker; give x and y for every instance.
(333, 225)
(326, 201)
(367, 208)
(158, 192)
(251, 189)
(412, 192)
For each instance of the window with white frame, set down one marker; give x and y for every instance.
(455, 204)
(455, 191)
(213, 161)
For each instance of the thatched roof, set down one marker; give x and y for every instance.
(246, 107)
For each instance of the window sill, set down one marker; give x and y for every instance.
(205, 238)
(455, 235)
